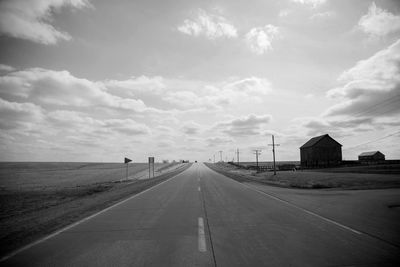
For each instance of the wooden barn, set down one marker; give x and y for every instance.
(321, 151)
(371, 156)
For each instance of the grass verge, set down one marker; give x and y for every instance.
(310, 179)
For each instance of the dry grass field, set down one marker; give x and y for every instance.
(53, 175)
(313, 179)
(39, 198)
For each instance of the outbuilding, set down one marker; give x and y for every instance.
(321, 151)
(371, 156)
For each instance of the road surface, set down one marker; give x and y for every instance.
(201, 218)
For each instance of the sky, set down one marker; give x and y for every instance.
(98, 80)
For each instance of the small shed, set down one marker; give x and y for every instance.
(321, 151)
(371, 156)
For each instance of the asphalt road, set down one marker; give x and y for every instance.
(201, 218)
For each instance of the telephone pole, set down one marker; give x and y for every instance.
(220, 155)
(273, 151)
(237, 156)
(257, 152)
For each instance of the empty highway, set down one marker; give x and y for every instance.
(201, 218)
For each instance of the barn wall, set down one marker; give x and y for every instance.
(325, 153)
(376, 157)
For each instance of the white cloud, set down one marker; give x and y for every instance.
(125, 126)
(367, 104)
(191, 128)
(259, 39)
(84, 123)
(136, 85)
(209, 25)
(371, 87)
(323, 15)
(219, 95)
(379, 22)
(31, 20)
(309, 96)
(184, 99)
(218, 141)
(285, 13)
(312, 3)
(251, 86)
(166, 144)
(244, 126)
(60, 88)
(314, 126)
(77, 114)
(19, 115)
(6, 68)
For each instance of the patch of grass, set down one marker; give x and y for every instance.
(311, 179)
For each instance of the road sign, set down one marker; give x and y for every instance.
(126, 161)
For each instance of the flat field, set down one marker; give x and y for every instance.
(323, 178)
(39, 198)
(52, 175)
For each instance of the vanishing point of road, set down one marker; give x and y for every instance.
(202, 218)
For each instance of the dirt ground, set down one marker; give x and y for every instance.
(312, 179)
(32, 208)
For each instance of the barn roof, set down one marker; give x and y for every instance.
(313, 141)
(370, 153)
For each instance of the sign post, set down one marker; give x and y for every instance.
(151, 166)
(126, 161)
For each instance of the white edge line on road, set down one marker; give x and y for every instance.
(202, 236)
(79, 222)
(300, 208)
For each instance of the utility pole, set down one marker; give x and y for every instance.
(273, 151)
(257, 152)
(237, 156)
(220, 155)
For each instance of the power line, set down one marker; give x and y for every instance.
(387, 136)
(390, 110)
(369, 109)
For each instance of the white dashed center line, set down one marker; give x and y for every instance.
(202, 236)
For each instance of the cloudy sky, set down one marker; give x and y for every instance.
(97, 80)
